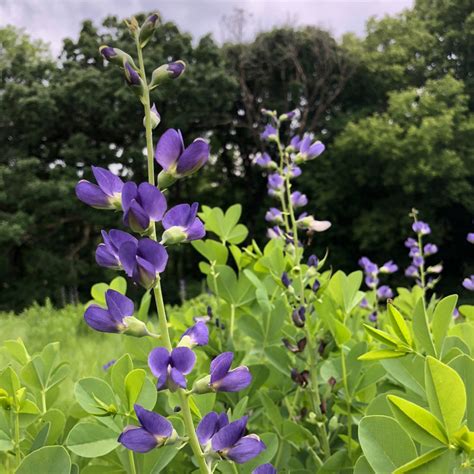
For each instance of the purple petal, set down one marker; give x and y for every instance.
(153, 252)
(99, 319)
(169, 148)
(246, 449)
(178, 379)
(105, 258)
(107, 181)
(193, 158)
(221, 365)
(234, 381)
(199, 333)
(92, 195)
(138, 440)
(177, 216)
(207, 427)
(152, 200)
(265, 469)
(119, 305)
(158, 361)
(153, 422)
(229, 435)
(129, 193)
(144, 273)
(128, 256)
(183, 359)
(136, 217)
(196, 230)
(316, 149)
(222, 421)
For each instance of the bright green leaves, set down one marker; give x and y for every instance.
(99, 289)
(95, 396)
(91, 440)
(344, 290)
(215, 252)
(442, 319)
(399, 325)
(237, 291)
(225, 225)
(51, 459)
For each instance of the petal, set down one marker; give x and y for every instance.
(234, 381)
(99, 319)
(169, 148)
(107, 181)
(105, 258)
(128, 257)
(119, 305)
(138, 440)
(193, 158)
(153, 252)
(199, 333)
(153, 422)
(152, 200)
(158, 361)
(316, 149)
(183, 359)
(246, 449)
(221, 365)
(265, 469)
(136, 217)
(178, 379)
(129, 193)
(119, 237)
(229, 435)
(144, 273)
(92, 195)
(207, 427)
(320, 226)
(196, 230)
(222, 421)
(177, 216)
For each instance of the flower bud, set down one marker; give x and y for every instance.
(285, 280)
(147, 29)
(135, 327)
(154, 116)
(131, 75)
(166, 72)
(299, 317)
(115, 55)
(202, 385)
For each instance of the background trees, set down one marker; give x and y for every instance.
(394, 108)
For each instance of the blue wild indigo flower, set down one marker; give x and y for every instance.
(265, 469)
(269, 133)
(313, 261)
(468, 283)
(107, 253)
(470, 237)
(154, 431)
(181, 224)
(275, 184)
(285, 279)
(274, 216)
(106, 194)
(166, 72)
(215, 433)
(170, 368)
(421, 228)
(197, 335)
(274, 233)
(307, 149)
(298, 199)
(265, 162)
(131, 75)
(310, 224)
(222, 379)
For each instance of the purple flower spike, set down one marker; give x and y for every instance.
(265, 162)
(468, 283)
(112, 319)
(274, 216)
(170, 369)
(182, 224)
(275, 184)
(388, 267)
(308, 150)
(298, 199)
(154, 431)
(430, 249)
(210, 425)
(106, 194)
(225, 380)
(269, 133)
(143, 261)
(293, 171)
(265, 469)
(107, 253)
(384, 292)
(411, 271)
(142, 206)
(197, 335)
(418, 261)
(470, 237)
(421, 228)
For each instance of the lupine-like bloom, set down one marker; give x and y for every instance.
(106, 194)
(384, 292)
(265, 162)
(116, 318)
(143, 261)
(411, 271)
(170, 368)
(410, 243)
(197, 335)
(225, 380)
(389, 267)
(470, 237)
(154, 431)
(176, 161)
(274, 216)
(182, 224)
(274, 233)
(165, 72)
(313, 261)
(293, 171)
(107, 253)
(430, 249)
(143, 205)
(311, 224)
(275, 184)
(131, 75)
(269, 133)
(468, 283)
(147, 29)
(307, 149)
(420, 227)
(298, 199)
(265, 469)
(215, 433)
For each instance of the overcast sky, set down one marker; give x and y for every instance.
(53, 20)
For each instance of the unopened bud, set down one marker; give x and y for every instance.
(166, 72)
(115, 55)
(202, 385)
(154, 116)
(135, 327)
(148, 28)
(299, 317)
(173, 235)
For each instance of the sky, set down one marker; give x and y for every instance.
(53, 20)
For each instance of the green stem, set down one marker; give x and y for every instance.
(232, 321)
(131, 460)
(348, 403)
(43, 401)
(17, 439)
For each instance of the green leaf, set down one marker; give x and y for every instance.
(382, 354)
(385, 444)
(442, 318)
(118, 372)
(94, 395)
(57, 421)
(164, 456)
(119, 284)
(467, 311)
(399, 325)
(50, 459)
(435, 461)
(408, 371)
(133, 386)
(144, 308)
(91, 440)
(17, 350)
(98, 292)
(421, 329)
(271, 411)
(382, 336)
(423, 426)
(464, 366)
(213, 251)
(362, 466)
(446, 394)
(6, 443)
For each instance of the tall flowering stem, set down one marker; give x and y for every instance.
(157, 291)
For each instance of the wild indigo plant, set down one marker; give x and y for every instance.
(144, 258)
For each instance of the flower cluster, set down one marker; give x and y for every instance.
(468, 282)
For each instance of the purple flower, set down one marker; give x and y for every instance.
(275, 184)
(197, 335)
(274, 216)
(470, 237)
(107, 52)
(143, 205)
(384, 292)
(294, 143)
(109, 364)
(285, 279)
(418, 261)
(298, 199)
(308, 150)
(311, 224)
(165, 72)
(170, 369)
(421, 228)
(371, 281)
(131, 75)
(410, 242)
(373, 317)
(388, 267)
(414, 252)
(369, 267)
(116, 318)
(316, 286)
(176, 161)
(182, 224)
(107, 253)
(274, 232)
(468, 283)
(289, 115)
(264, 161)
(411, 271)
(176, 68)
(148, 28)
(364, 303)
(225, 380)
(430, 249)
(106, 194)
(293, 171)
(154, 431)
(143, 261)
(265, 469)
(269, 133)
(313, 261)
(227, 439)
